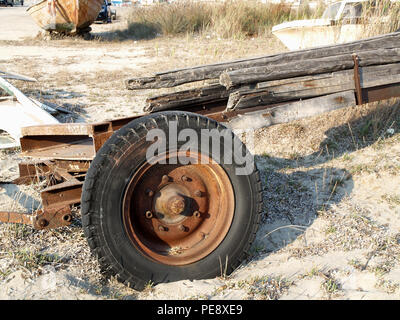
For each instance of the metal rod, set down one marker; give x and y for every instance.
(357, 81)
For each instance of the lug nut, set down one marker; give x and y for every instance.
(42, 223)
(197, 214)
(67, 218)
(198, 193)
(149, 214)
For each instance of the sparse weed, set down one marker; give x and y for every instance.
(4, 274)
(34, 260)
(387, 285)
(334, 183)
(330, 229)
(310, 274)
(381, 270)
(392, 199)
(149, 287)
(356, 264)
(330, 285)
(347, 157)
(268, 288)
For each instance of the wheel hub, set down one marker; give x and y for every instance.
(178, 214)
(171, 203)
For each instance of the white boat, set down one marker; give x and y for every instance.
(339, 23)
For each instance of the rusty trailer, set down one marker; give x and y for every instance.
(163, 221)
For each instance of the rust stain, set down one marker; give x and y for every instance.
(339, 99)
(309, 84)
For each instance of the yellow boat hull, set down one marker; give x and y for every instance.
(67, 16)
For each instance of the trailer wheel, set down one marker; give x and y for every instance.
(160, 222)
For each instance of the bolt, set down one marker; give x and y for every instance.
(198, 193)
(67, 217)
(183, 228)
(185, 178)
(149, 214)
(165, 178)
(162, 228)
(149, 192)
(197, 214)
(42, 223)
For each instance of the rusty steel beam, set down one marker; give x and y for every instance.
(64, 180)
(16, 217)
(33, 171)
(68, 141)
(62, 194)
(49, 218)
(380, 93)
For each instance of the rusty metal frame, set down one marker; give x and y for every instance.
(64, 180)
(62, 153)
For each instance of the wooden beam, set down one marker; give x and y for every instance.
(276, 91)
(177, 77)
(308, 67)
(294, 111)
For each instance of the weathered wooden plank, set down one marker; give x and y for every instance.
(277, 91)
(294, 111)
(304, 81)
(380, 74)
(248, 100)
(180, 76)
(308, 67)
(187, 98)
(370, 76)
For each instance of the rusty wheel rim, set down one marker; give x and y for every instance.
(178, 214)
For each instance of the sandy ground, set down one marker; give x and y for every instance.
(331, 215)
(23, 26)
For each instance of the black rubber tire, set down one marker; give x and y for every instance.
(101, 209)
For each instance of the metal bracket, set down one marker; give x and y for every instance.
(49, 218)
(357, 79)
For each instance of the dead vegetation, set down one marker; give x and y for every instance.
(229, 20)
(240, 19)
(385, 8)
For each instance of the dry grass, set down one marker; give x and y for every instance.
(241, 19)
(232, 19)
(381, 17)
(257, 288)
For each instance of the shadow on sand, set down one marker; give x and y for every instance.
(134, 31)
(292, 201)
